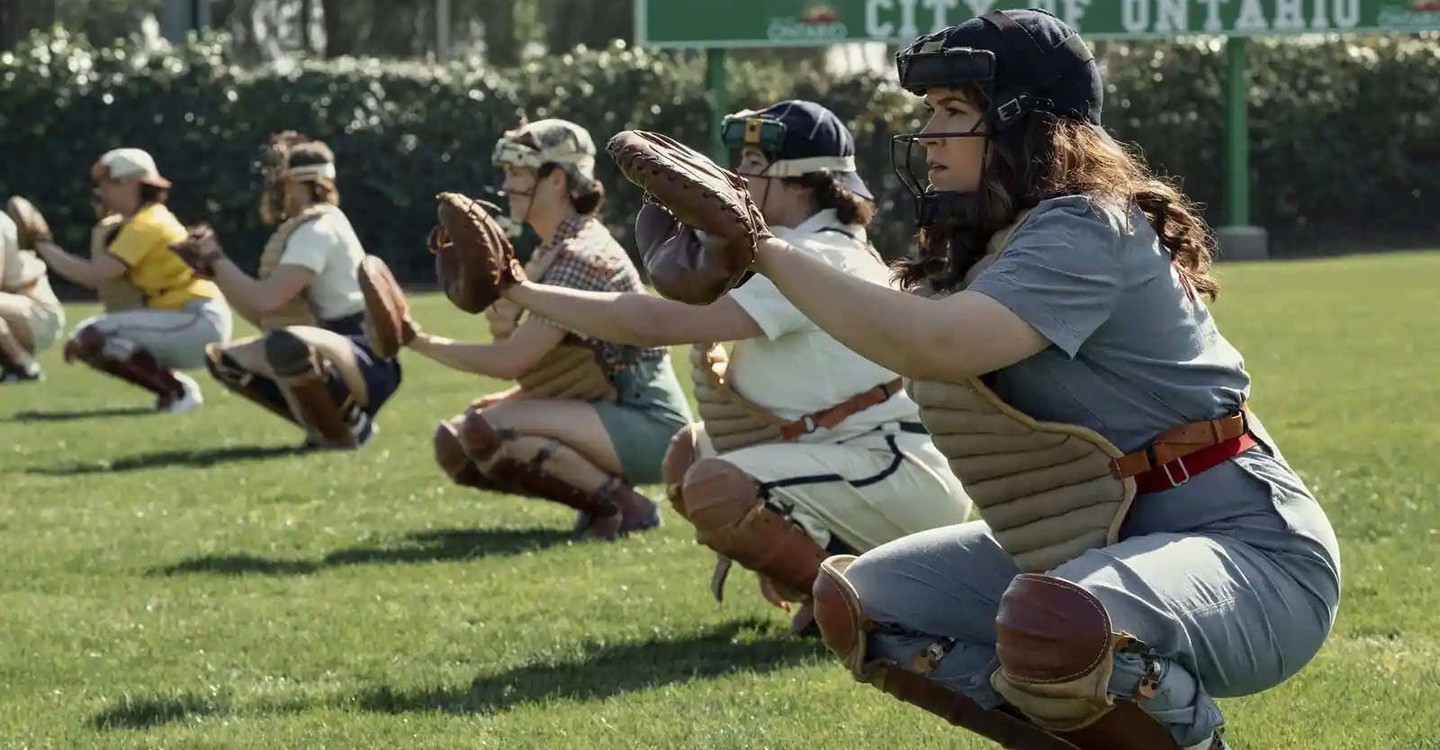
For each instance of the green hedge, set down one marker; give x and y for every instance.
(1346, 148)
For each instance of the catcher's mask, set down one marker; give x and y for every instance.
(1021, 62)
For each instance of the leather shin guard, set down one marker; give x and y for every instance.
(845, 629)
(450, 454)
(724, 505)
(1056, 649)
(485, 445)
(132, 365)
(257, 388)
(298, 371)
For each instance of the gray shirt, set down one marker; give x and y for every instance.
(1135, 352)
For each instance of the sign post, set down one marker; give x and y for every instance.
(716, 25)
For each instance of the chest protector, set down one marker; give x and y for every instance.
(731, 421)
(568, 371)
(1047, 490)
(116, 295)
(298, 311)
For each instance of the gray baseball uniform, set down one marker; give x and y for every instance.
(1233, 578)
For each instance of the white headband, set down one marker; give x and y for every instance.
(310, 172)
(802, 167)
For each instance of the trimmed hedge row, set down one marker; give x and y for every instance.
(1345, 142)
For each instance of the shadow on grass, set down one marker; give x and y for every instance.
(169, 458)
(143, 713)
(443, 545)
(70, 416)
(610, 670)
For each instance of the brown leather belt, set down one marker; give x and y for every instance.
(829, 418)
(1161, 464)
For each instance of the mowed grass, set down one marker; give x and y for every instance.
(188, 582)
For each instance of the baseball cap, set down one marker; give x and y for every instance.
(548, 141)
(1034, 62)
(128, 164)
(801, 137)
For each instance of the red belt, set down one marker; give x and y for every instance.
(1178, 471)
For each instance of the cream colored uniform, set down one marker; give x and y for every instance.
(25, 294)
(874, 477)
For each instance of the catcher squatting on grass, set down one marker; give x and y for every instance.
(1048, 626)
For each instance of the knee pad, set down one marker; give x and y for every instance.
(84, 345)
(451, 456)
(729, 514)
(1056, 650)
(842, 622)
(683, 452)
(479, 439)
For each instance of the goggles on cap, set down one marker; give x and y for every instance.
(747, 130)
(744, 130)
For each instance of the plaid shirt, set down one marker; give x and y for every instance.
(591, 260)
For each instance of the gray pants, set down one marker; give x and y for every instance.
(1232, 609)
(176, 338)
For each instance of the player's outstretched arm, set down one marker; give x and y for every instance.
(506, 359)
(635, 319)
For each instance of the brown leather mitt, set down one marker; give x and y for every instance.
(699, 230)
(200, 250)
(30, 224)
(473, 256)
(387, 314)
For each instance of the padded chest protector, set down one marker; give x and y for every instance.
(297, 311)
(1047, 490)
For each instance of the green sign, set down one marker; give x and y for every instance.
(805, 23)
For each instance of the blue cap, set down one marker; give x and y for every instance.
(800, 137)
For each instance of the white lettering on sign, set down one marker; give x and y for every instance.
(1074, 11)
(1346, 13)
(1290, 15)
(980, 7)
(1252, 17)
(873, 27)
(941, 9)
(1171, 16)
(1135, 16)
(1213, 25)
(907, 19)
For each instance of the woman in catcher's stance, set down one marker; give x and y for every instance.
(589, 418)
(31, 318)
(178, 314)
(312, 365)
(805, 448)
(1146, 548)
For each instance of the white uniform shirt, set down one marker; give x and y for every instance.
(329, 247)
(796, 368)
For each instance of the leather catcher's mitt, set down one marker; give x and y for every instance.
(699, 230)
(473, 256)
(200, 250)
(387, 314)
(30, 224)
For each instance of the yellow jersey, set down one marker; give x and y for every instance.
(143, 245)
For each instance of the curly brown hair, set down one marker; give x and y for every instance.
(1047, 157)
(830, 193)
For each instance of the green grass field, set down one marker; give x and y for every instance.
(189, 582)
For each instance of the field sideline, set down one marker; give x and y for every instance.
(190, 582)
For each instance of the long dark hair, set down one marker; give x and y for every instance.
(1046, 157)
